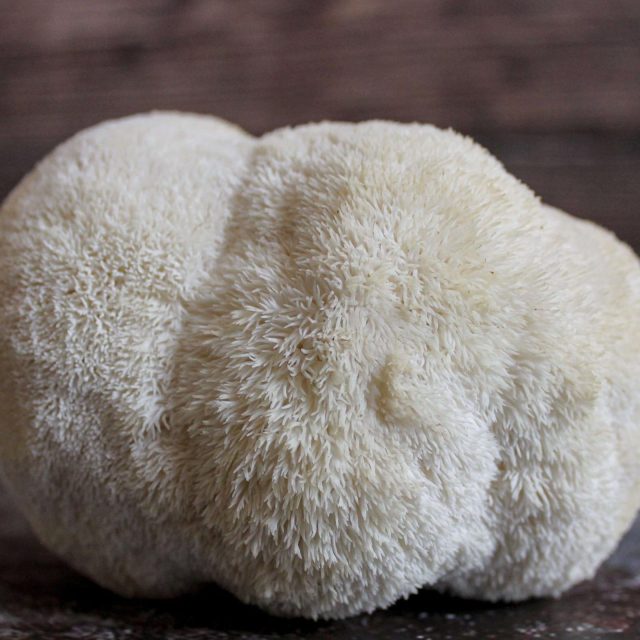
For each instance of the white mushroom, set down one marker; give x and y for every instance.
(323, 368)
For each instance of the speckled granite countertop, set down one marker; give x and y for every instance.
(41, 598)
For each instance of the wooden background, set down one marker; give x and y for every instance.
(552, 87)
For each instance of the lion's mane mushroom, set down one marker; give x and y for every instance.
(322, 368)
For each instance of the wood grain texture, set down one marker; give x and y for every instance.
(475, 65)
(552, 88)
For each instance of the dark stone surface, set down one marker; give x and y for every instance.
(40, 597)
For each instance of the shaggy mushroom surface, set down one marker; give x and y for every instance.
(322, 368)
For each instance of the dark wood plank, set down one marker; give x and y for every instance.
(477, 66)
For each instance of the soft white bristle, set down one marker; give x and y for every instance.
(322, 368)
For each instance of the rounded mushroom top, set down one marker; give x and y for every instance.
(322, 368)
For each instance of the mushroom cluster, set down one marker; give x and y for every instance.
(322, 368)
